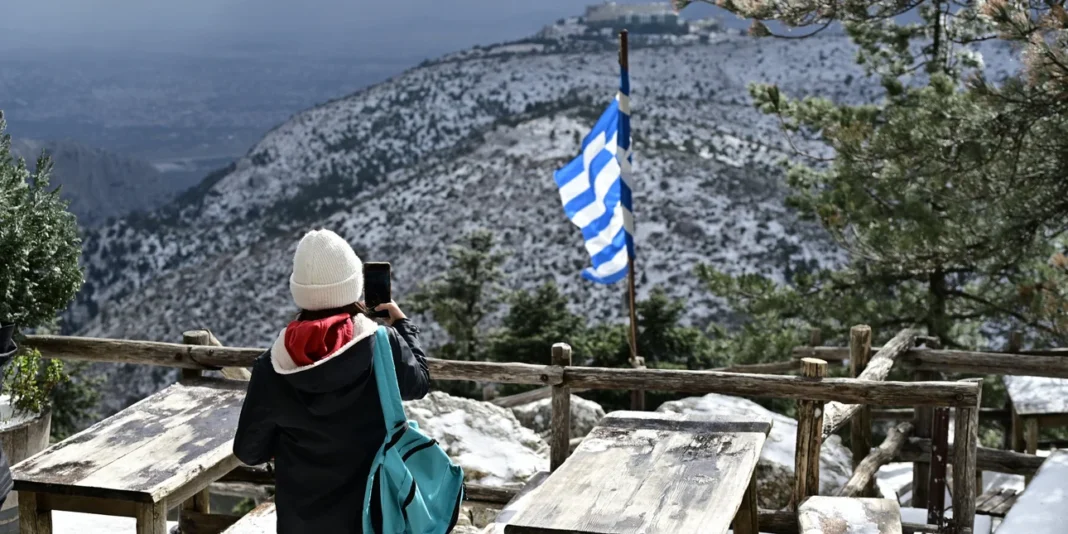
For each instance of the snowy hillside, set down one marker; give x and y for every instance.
(471, 140)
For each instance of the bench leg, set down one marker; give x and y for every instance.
(152, 518)
(32, 518)
(745, 521)
(201, 502)
(1017, 432)
(1031, 427)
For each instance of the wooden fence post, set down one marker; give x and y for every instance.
(194, 337)
(860, 426)
(921, 427)
(200, 502)
(809, 437)
(936, 501)
(965, 443)
(206, 338)
(815, 337)
(1022, 434)
(1012, 431)
(561, 411)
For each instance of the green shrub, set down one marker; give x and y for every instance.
(39, 272)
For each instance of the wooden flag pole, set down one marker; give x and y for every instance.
(637, 397)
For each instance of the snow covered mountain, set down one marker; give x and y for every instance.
(471, 140)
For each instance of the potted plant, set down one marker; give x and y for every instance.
(39, 276)
(7, 341)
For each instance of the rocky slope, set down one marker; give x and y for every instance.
(99, 184)
(471, 140)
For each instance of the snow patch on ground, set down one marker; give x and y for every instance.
(75, 523)
(485, 439)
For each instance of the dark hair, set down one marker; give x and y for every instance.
(353, 309)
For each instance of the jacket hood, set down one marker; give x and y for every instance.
(323, 355)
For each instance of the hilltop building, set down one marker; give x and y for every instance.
(656, 17)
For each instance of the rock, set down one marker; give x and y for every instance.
(537, 416)
(485, 439)
(775, 471)
(481, 514)
(466, 529)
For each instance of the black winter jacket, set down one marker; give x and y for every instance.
(323, 424)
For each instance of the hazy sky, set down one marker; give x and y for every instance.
(381, 28)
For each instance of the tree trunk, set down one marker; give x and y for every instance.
(937, 323)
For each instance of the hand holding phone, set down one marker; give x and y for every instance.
(391, 312)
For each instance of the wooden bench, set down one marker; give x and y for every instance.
(159, 453)
(996, 502)
(1042, 508)
(844, 515)
(261, 520)
(653, 473)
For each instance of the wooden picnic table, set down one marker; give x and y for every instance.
(1041, 509)
(651, 473)
(1037, 402)
(159, 453)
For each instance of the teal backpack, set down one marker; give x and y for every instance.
(421, 488)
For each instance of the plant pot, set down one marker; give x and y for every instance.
(21, 436)
(7, 334)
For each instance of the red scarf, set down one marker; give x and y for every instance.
(310, 341)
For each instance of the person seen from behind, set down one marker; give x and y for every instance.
(312, 403)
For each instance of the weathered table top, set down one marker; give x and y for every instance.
(1041, 508)
(845, 515)
(648, 473)
(261, 520)
(1034, 395)
(148, 451)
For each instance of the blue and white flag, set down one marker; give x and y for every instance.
(595, 189)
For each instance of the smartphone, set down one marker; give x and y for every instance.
(376, 285)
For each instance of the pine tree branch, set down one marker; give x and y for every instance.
(1001, 309)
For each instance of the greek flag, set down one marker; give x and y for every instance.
(595, 189)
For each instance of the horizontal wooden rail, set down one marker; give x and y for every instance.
(527, 397)
(770, 368)
(834, 354)
(1052, 364)
(996, 460)
(845, 390)
(959, 361)
(214, 358)
(142, 352)
(1002, 415)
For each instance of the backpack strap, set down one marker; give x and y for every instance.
(386, 380)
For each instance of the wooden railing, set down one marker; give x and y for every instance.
(838, 400)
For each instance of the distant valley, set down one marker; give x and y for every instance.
(191, 112)
(101, 185)
(131, 133)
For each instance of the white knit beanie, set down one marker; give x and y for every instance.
(326, 272)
